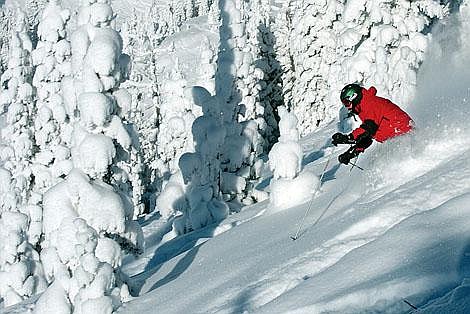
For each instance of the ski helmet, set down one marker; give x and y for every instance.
(351, 94)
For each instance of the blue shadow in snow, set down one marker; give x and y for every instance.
(179, 268)
(331, 174)
(313, 156)
(168, 251)
(316, 155)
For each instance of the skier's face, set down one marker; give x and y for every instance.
(348, 104)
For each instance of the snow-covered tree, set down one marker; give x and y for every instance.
(161, 111)
(51, 59)
(21, 273)
(267, 73)
(290, 184)
(283, 29)
(33, 9)
(203, 7)
(176, 117)
(201, 203)
(213, 16)
(237, 89)
(6, 28)
(88, 216)
(17, 99)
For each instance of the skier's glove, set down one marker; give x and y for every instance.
(346, 157)
(340, 138)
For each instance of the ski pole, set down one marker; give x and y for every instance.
(410, 304)
(355, 165)
(329, 205)
(296, 236)
(326, 208)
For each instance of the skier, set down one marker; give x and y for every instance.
(381, 119)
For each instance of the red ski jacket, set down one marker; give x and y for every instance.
(381, 119)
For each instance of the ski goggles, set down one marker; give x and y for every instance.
(348, 100)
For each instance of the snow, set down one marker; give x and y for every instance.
(54, 298)
(106, 44)
(95, 109)
(171, 200)
(95, 154)
(286, 193)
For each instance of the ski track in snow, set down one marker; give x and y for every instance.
(377, 216)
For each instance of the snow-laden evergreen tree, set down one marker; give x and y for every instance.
(146, 30)
(203, 6)
(161, 111)
(33, 9)
(6, 28)
(336, 42)
(176, 117)
(88, 216)
(213, 16)
(51, 59)
(267, 72)
(193, 193)
(313, 50)
(143, 33)
(141, 37)
(16, 99)
(21, 274)
(236, 88)
(208, 67)
(283, 28)
(291, 184)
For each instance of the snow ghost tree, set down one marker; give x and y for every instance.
(6, 28)
(21, 274)
(17, 99)
(145, 31)
(51, 59)
(177, 116)
(201, 203)
(283, 28)
(88, 216)
(265, 86)
(290, 185)
(236, 89)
